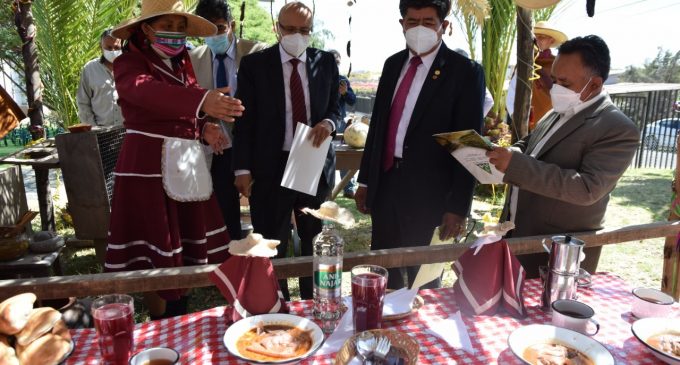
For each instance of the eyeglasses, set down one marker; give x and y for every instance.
(291, 30)
(221, 28)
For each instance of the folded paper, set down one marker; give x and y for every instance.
(305, 162)
(429, 272)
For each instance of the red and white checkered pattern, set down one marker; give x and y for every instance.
(198, 336)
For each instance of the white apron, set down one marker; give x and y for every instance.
(184, 169)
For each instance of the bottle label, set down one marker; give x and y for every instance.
(328, 279)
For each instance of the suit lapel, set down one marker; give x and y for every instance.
(434, 78)
(541, 129)
(573, 124)
(391, 76)
(312, 66)
(276, 75)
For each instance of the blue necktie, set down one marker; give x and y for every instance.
(221, 79)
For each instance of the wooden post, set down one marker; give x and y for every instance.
(525, 62)
(671, 256)
(42, 185)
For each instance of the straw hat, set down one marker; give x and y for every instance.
(545, 28)
(330, 211)
(536, 4)
(254, 245)
(196, 26)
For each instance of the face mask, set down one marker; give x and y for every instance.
(218, 44)
(111, 55)
(564, 99)
(169, 44)
(421, 39)
(294, 44)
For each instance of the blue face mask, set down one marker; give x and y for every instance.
(218, 44)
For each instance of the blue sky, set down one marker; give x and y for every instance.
(633, 29)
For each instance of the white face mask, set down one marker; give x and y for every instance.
(421, 39)
(111, 55)
(294, 44)
(564, 99)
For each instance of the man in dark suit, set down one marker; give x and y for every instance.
(407, 182)
(216, 65)
(280, 86)
(562, 173)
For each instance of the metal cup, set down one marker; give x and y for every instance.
(565, 254)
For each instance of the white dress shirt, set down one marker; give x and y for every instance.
(418, 80)
(564, 118)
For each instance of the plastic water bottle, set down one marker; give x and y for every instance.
(328, 250)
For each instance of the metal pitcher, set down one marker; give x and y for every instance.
(565, 254)
(563, 275)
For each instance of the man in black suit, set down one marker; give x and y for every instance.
(280, 86)
(407, 182)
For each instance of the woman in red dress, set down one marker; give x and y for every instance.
(163, 212)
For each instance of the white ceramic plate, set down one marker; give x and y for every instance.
(645, 328)
(237, 329)
(532, 334)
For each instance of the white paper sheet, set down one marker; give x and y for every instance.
(429, 272)
(474, 160)
(452, 330)
(399, 301)
(305, 162)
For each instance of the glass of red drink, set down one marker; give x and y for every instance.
(368, 295)
(114, 320)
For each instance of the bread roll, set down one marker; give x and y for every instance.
(39, 322)
(60, 329)
(14, 313)
(7, 354)
(47, 350)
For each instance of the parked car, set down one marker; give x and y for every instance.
(662, 134)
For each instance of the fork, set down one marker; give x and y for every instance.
(382, 348)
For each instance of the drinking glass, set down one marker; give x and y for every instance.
(368, 296)
(114, 320)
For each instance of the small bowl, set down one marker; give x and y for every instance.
(406, 345)
(156, 353)
(651, 303)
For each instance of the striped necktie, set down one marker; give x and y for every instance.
(297, 95)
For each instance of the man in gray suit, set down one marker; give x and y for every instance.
(216, 64)
(563, 172)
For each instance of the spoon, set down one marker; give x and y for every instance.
(365, 345)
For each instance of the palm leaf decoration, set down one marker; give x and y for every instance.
(67, 38)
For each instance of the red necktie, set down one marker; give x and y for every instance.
(297, 95)
(396, 111)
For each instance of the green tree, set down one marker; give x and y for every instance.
(257, 25)
(664, 68)
(10, 52)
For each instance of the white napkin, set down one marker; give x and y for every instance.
(343, 331)
(399, 301)
(452, 330)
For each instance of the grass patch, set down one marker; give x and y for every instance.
(8, 150)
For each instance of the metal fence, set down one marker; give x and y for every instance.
(654, 109)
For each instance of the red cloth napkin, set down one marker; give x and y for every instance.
(488, 279)
(249, 284)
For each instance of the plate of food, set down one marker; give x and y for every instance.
(661, 336)
(540, 342)
(403, 345)
(275, 338)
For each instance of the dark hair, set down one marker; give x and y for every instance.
(594, 53)
(214, 9)
(441, 6)
(335, 53)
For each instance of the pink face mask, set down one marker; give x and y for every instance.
(169, 44)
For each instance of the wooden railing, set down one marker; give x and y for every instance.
(197, 276)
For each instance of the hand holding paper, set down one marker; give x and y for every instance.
(469, 148)
(305, 162)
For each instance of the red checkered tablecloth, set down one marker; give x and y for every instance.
(198, 336)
